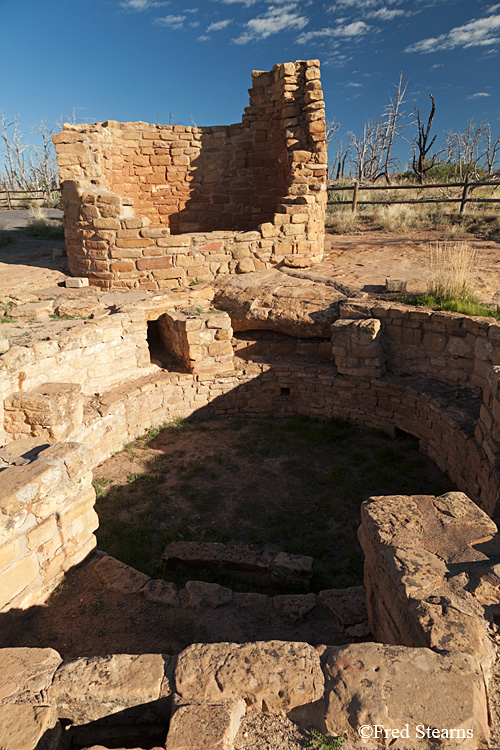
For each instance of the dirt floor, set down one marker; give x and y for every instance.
(362, 260)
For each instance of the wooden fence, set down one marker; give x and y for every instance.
(466, 186)
(12, 198)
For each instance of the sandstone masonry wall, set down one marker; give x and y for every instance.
(457, 424)
(157, 206)
(47, 520)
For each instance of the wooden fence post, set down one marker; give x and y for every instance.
(355, 197)
(8, 198)
(463, 204)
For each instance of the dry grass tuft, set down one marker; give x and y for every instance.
(341, 221)
(41, 225)
(451, 271)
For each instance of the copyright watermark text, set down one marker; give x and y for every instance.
(419, 732)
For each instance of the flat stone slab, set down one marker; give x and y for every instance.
(76, 282)
(26, 674)
(278, 302)
(348, 606)
(117, 576)
(208, 726)
(161, 592)
(399, 688)
(208, 594)
(39, 310)
(92, 688)
(293, 607)
(24, 727)
(242, 561)
(274, 676)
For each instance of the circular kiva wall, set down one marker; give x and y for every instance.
(385, 366)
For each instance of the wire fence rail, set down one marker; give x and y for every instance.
(464, 199)
(10, 199)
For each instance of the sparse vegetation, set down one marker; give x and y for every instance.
(319, 742)
(43, 227)
(451, 272)
(341, 220)
(451, 282)
(5, 308)
(5, 238)
(296, 484)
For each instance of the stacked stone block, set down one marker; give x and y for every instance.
(47, 520)
(200, 341)
(415, 596)
(51, 411)
(357, 347)
(157, 206)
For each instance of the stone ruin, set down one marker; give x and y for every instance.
(156, 206)
(250, 338)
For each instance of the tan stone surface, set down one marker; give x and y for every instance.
(423, 563)
(29, 728)
(276, 674)
(117, 576)
(26, 674)
(91, 688)
(269, 299)
(202, 594)
(391, 686)
(209, 726)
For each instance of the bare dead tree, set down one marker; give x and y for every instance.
(422, 145)
(466, 149)
(332, 128)
(14, 151)
(372, 149)
(341, 157)
(44, 172)
(392, 118)
(492, 148)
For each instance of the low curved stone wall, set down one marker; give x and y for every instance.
(48, 517)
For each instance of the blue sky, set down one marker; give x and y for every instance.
(190, 62)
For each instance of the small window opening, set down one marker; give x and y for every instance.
(285, 392)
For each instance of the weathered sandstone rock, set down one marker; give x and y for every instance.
(91, 688)
(397, 687)
(274, 676)
(117, 576)
(202, 594)
(24, 727)
(277, 302)
(26, 674)
(424, 559)
(208, 726)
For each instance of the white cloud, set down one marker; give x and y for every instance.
(479, 32)
(478, 95)
(386, 14)
(219, 25)
(142, 4)
(355, 4)
(345, 31)
(247, 3)
(171, 22)
(354, 85)
(204, 38)
(277, 18)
